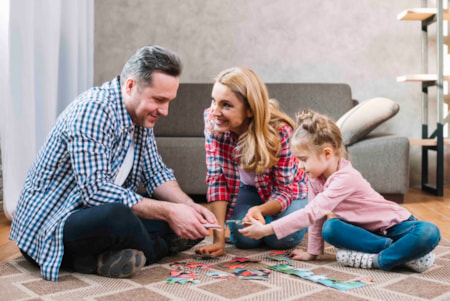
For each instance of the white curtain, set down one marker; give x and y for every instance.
(46, 60)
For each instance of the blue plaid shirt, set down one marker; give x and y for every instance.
(76, 168)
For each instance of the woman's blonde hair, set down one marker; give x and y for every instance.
(258, 148)
(319, 131)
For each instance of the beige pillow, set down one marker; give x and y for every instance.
(365, 117)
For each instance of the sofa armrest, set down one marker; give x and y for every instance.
(383, 159)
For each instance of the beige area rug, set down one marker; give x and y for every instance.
(20, 281)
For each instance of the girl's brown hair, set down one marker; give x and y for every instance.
(319, 131)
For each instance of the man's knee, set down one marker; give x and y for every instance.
(117, 215)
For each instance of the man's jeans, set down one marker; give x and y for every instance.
(403, 242)
(92, 231)
(248, 197)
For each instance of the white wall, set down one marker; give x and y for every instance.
(359, 42)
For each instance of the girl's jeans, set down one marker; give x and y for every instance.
(248, 197)
(403, 242)
(91, 231)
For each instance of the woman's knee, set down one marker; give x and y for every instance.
(247, 243)
(242, 242)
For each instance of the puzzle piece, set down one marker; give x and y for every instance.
(252, 274)
(204, 256)
(280, 255)
(244, 259)
(221, 275)
(238, 222)
(232, 266)
(183, 277)
(322, 279)
(213, 226)
(193, 265)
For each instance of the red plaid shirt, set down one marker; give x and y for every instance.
(284, 182)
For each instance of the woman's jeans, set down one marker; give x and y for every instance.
(403, 242)
(248, 197)
(91, 231)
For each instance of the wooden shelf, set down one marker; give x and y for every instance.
(427, 142)
(437, 16)
(421, 78)
(420, 14)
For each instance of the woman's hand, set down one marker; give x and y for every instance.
(216, 249)
(299, 254)
(256, 230)
(254, 212)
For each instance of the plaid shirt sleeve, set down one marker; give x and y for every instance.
(215, 178)
(154, 170)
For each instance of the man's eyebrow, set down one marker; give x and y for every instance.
(162, 98)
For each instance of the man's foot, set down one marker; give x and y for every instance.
(177, 244)
(120, 264)
(355, 259)
(422, 264)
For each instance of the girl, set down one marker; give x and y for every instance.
(251, 170)
(370, 231)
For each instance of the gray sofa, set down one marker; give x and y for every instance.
(383, 159)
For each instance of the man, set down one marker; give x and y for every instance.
(79, 207)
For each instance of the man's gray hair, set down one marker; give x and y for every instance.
(149, 59)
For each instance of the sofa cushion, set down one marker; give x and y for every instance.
(365, 117)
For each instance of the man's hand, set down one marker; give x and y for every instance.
(187, 220)
(216, 249)
(257, 230)
(299, 254)
(207, 215)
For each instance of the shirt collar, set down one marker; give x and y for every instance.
(124, 117)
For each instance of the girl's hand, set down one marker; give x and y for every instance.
(216, 249)
(299, 254)
(256, 230)
(255, 213)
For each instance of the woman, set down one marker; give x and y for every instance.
(251, 170)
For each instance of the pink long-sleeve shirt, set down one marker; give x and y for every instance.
(350, 197)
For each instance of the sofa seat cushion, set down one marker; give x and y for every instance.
(383, 160)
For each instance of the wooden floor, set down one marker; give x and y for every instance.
(423, 205)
